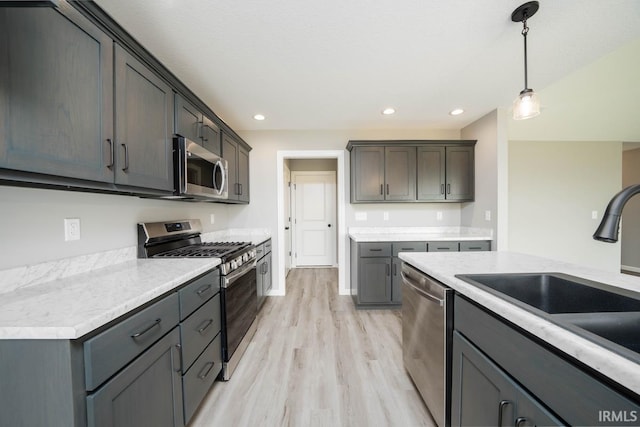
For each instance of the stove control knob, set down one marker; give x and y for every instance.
(233, 264)
(245, 257)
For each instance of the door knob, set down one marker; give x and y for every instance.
(329, 225)
(286, 228)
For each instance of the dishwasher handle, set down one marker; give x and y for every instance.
(406, 279)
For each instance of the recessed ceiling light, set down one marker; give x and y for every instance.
(259, 117)
(456, 112)
(388, 111)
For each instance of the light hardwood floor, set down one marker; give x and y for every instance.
(316, 361)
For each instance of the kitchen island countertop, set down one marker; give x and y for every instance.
(444, 267)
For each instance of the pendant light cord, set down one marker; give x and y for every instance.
(525, 30)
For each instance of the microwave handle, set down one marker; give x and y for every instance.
(220, 165)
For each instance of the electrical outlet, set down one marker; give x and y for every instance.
(594, 214)
(71, 229)
(487, 215)
(213, 218)
(385, 216)
(439, 216)
(361, 216)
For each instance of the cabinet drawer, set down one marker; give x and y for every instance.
(198, 330)
(111, 350)
(198, 380)
(409, 247)
(374, 249)
(198, 292)
(442, 246)
(475, 246)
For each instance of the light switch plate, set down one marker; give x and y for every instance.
(385, 216)
(213, 218)
(594, 214)
(361, 216)
(439, 216)
(487, 215)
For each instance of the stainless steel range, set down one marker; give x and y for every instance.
(180, 239)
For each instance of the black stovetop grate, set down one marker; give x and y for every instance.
(205, 250)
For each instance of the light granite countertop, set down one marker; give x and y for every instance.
(444, 267)
(406, 234)
(70, 307)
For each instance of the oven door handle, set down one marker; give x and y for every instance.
(229, 279)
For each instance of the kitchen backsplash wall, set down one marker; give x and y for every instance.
(33, 222)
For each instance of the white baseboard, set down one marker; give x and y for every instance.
(630, 268)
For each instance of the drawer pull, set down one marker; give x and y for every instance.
(205, 325)
(407, 249)
(147, 329)
(475, 248)
(179, 349)
(520, 421)
(375, 250)
(207, 367)
(501, 407)
(203, 289)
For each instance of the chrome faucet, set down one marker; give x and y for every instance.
(608, 229)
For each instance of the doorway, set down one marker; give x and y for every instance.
(340, 222)
(313, 205)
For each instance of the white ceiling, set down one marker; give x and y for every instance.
(335, 64)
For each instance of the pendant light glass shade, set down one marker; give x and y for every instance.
(526, 105)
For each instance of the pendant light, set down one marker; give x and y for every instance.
(526, 105)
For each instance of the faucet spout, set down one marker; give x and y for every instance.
(609, 226)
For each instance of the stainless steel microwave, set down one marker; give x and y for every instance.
(199, 174)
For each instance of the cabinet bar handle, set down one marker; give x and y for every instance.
(387, 189)
(503, 403)
(381, 189)
(126, 158)
(475, 248)
(203, 289)
(520, 421)
(179, 348)
(205, 324)
(209, 365)
(110, 142)
(448, 188)
(375, 250)
(441, 188)
(387, 269)
(395, 269)
(147, 329)
(240, 189)
(202, 136)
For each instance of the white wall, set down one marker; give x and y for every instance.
(553, 189)
(485, 131)
(630, 231)
(33, 222)
(313, 165)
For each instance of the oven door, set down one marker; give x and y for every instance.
(239, 307)
(200, 173)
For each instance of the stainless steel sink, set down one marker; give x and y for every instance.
(607, 315)
(556, 292)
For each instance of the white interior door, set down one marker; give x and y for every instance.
(287, 219)
(314, 218)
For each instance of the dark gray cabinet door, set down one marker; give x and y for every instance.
(484, 395)
(243, 174)
(144, 111)
(460, 173)
(148, 392)
(230, 154)
(396, 281)
(367, 174)
(268, 278)
(188, 119)
(400, 173)
(431, 173)
(56, 94)
(210, 135)
(375, 280)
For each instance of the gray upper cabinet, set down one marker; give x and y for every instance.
(411, 171)
(460, 173)
(431, 173)
(144, 118)
(56, 94)
(237, 157)
(194, 125)
(400, 173)
(367, 174)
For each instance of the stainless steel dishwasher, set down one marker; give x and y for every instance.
(426, 339)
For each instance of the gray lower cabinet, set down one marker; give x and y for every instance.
(148, 368)
(237, 156)
(264, 277)
(148, 392)
(191, 123)
(490, 383)
(376, 279)
(56, 95)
